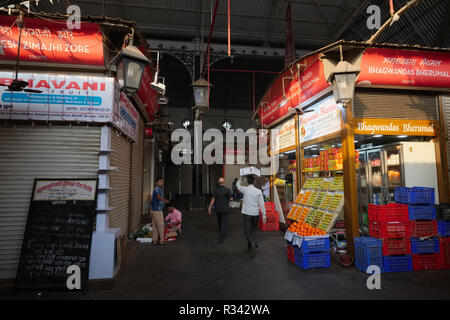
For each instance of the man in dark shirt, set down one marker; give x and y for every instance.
(221, 197)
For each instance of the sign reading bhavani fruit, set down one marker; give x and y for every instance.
(395, 127)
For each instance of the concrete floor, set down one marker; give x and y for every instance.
(196, 267)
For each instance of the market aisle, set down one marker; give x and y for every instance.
(196, 267)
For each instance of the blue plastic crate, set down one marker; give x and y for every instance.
(418, 212)
(430, 245)
(414, 195)
(369, 247)
(398, 263)
(443, 228)
(362, 265)
(368, 251)
(312, 260)
(315, 245)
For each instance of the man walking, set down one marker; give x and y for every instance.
(266, 189)
(253, 202)
(221, 197)
(157, 205)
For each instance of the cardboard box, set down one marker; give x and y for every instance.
(250, 170)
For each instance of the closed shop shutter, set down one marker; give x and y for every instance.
(27, 153)
(137, 163)
(119, 195)
(395, 105)
(446, 111)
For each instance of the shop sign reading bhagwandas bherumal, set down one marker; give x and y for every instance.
(395, 127)
(324, 120)
(394, 67)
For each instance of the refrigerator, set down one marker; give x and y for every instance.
(383, 168)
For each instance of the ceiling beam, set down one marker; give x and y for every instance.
(417, 30)
(222, 33)
(349, 20)
(444, 28)
(205, 12)
(322, 16)
(273, 8)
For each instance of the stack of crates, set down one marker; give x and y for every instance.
(423, 226)
(444, 234)
(368, 252)
(390, 224)
(272, 216)
(313, 253)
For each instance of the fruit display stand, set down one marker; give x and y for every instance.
(319, 203)
(308, 247)
(313, 215)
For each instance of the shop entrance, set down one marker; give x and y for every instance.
(387, 162)
(286, 180)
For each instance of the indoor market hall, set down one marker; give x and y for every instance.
(191, 154)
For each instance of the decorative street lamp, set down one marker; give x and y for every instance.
(130, 64)
(200, 88)
(343, 79)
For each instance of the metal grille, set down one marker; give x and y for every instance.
(137, 163)
(446, 111)
(119, 196)
(395, 105)
(27, 153)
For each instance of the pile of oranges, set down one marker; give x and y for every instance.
(305, 230)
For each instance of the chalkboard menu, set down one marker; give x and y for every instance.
(58, 232)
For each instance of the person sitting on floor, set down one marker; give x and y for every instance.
(174, 218)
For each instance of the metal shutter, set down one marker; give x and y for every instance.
(137, 163)
(27, 153)
(119, 195)
(446, 111)
(388, 104)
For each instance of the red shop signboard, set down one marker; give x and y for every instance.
(51, 42)
(312, 82)
(394, 67)
(146, 94)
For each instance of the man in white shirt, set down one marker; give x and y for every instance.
(266, 189)
(253, 203)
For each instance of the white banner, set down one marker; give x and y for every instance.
(63, 98)
(324, 120)
(50, 190)
(125, 116)
(285, 137)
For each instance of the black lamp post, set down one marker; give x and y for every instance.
(130, 64)
(201, 98)
(343, 79)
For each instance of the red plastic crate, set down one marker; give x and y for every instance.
(396, 246)
(445, 252)
(269, 226)
(291, 254)
(382, 230)
(426, 261)
(270, 206)
(272, 216)
(391, 212)
(423, 228)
